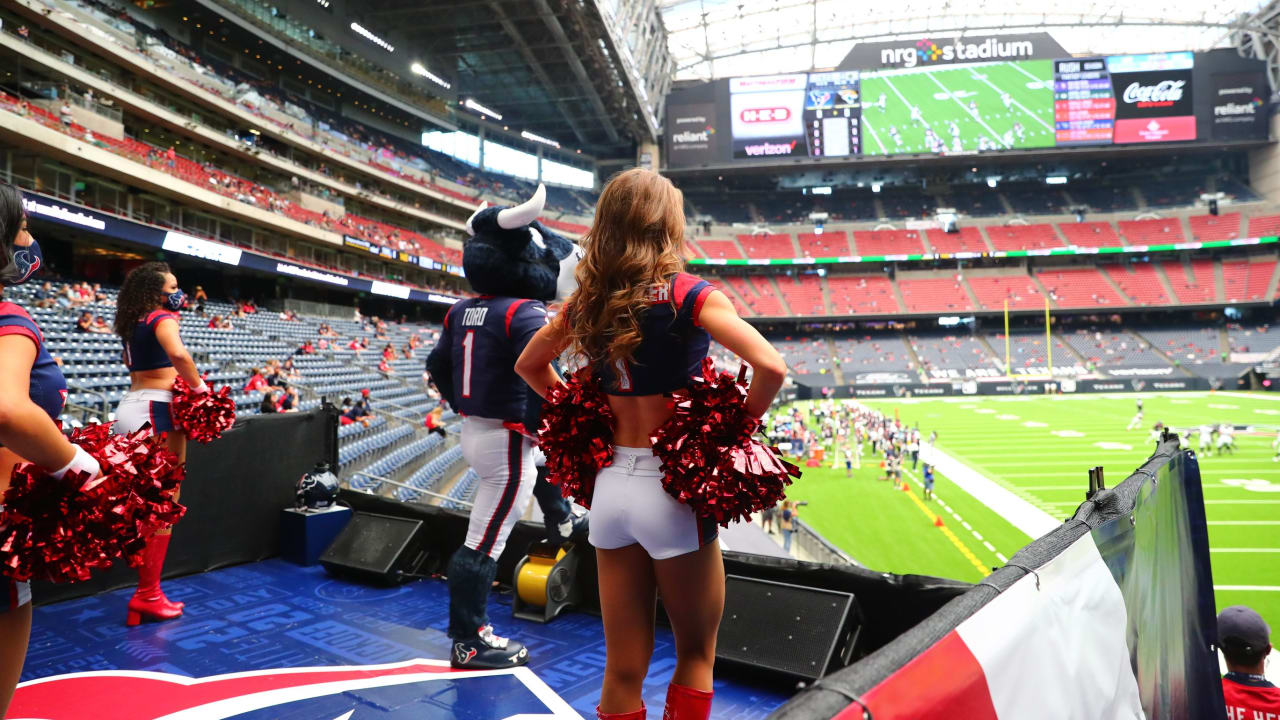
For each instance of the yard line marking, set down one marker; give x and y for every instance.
(955, 515)
(875, 136)
(988, 83)
(975, 534)
(964, 550)
(989, 546)
(1244, 550)
(1020, 512)
(1244, 522)
(1250, 588)
(994, 135)
(897, 92)
(1001, 557)
(966, 526)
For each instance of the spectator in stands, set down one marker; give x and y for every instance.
(388, 352)
(385, 368)
(257, 383)
(307, 347)
(45, 297)
(268, 404)
(408, 351)
(433, 422)
(288, 371)
(64, 113)
(288, 401)
(1245, 641)
(200, 297)
(85, 323)
(100, 325)
(171, 156)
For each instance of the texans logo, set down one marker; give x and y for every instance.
(28, 262)
(463, 653)
(421, 689)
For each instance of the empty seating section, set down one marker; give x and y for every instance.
(827, 244)
(720, 284)
(966, 239)
(1023, 237)
(950, 356)
(759, 294)
(1210, 227)
(719, 249)
(803, 294)
(1151, 232)
(1027, 352)
(807, 358)
(1196, 289)
(1187, 345)
(391, 464)
(1244, 281)
(1090, 234)
(1253, 338)
(865, 358)
(1109, 348)
(1140, 281)
(767, 246)
(1079, 287)
(887, 242)
(934, 294)
(463, 490)
(1264, 226)
(993, 290)
(431, 474)
(862, 295)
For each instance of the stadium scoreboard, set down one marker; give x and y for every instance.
(972, 108)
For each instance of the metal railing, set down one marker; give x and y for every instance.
(818, 547)
(388, 481)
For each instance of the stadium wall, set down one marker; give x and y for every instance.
(1013, 387)
(1264, 165)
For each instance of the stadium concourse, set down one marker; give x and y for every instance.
(992, 256)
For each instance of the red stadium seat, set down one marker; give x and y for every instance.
(1152, 232)
(967, 239)
(718, 249)
(937, 294)
(1264, 225)
(1023, 237)
(1019, 289)
(1090, 234)
(803, 295)
(1079, 287)
(862, 295)
(1209, 227)
(887, 242)
(1191, 293)
(767, 246)
(1141, 282)
(828, 244)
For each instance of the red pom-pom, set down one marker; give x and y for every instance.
(576, 435)
(710, 461)
(202, 417)
(61, 530)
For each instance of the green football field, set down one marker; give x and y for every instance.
(944, 97)
(1041, 448)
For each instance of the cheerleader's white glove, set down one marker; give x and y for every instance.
(82, 461)
(200, 389)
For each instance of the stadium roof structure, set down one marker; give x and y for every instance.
(711, 39)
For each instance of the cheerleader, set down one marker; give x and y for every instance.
(645, 326)
(148, 324)
(32, 391)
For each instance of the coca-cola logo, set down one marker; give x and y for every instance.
(769, 114)
(1165, 92)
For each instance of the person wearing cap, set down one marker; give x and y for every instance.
(1245, 641)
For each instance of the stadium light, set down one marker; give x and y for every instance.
(360, 30)
(875, 187)
(473, 105)
(538, 138)
(1056, 180)
(992, 182)
(418, 69)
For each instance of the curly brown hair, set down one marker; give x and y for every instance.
(636, 242)
(139, 295)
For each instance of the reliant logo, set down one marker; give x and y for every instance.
(692, 137)
(1163, 93)
(770, 149)
(1231, 109)
(769, 114)
(927, 51)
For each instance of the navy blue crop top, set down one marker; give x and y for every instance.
(672, 343)
(48, 387)
(143, 351)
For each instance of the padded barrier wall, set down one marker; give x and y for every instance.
(1029, 387)
(238, 482)
(1150, 532)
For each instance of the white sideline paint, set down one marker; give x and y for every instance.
(1021, 514)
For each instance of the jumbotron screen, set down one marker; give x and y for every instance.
(964, 109)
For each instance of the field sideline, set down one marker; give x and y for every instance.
(1040, 448)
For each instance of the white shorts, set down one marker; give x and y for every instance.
(140, 407)
(629, 506)
(503, 459)
(15, 594)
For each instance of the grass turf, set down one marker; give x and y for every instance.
(1040, 448)
(943, 96)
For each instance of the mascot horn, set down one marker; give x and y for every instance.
(516, 264)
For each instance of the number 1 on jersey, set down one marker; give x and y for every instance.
(468, 343)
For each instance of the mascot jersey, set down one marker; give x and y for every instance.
(672, 343)
(483, 337)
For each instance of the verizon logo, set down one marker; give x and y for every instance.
(1166, 92)
(770, 148)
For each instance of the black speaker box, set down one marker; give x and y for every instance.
(380, 549)
(801, 631)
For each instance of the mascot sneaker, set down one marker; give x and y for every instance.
(488, 652)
